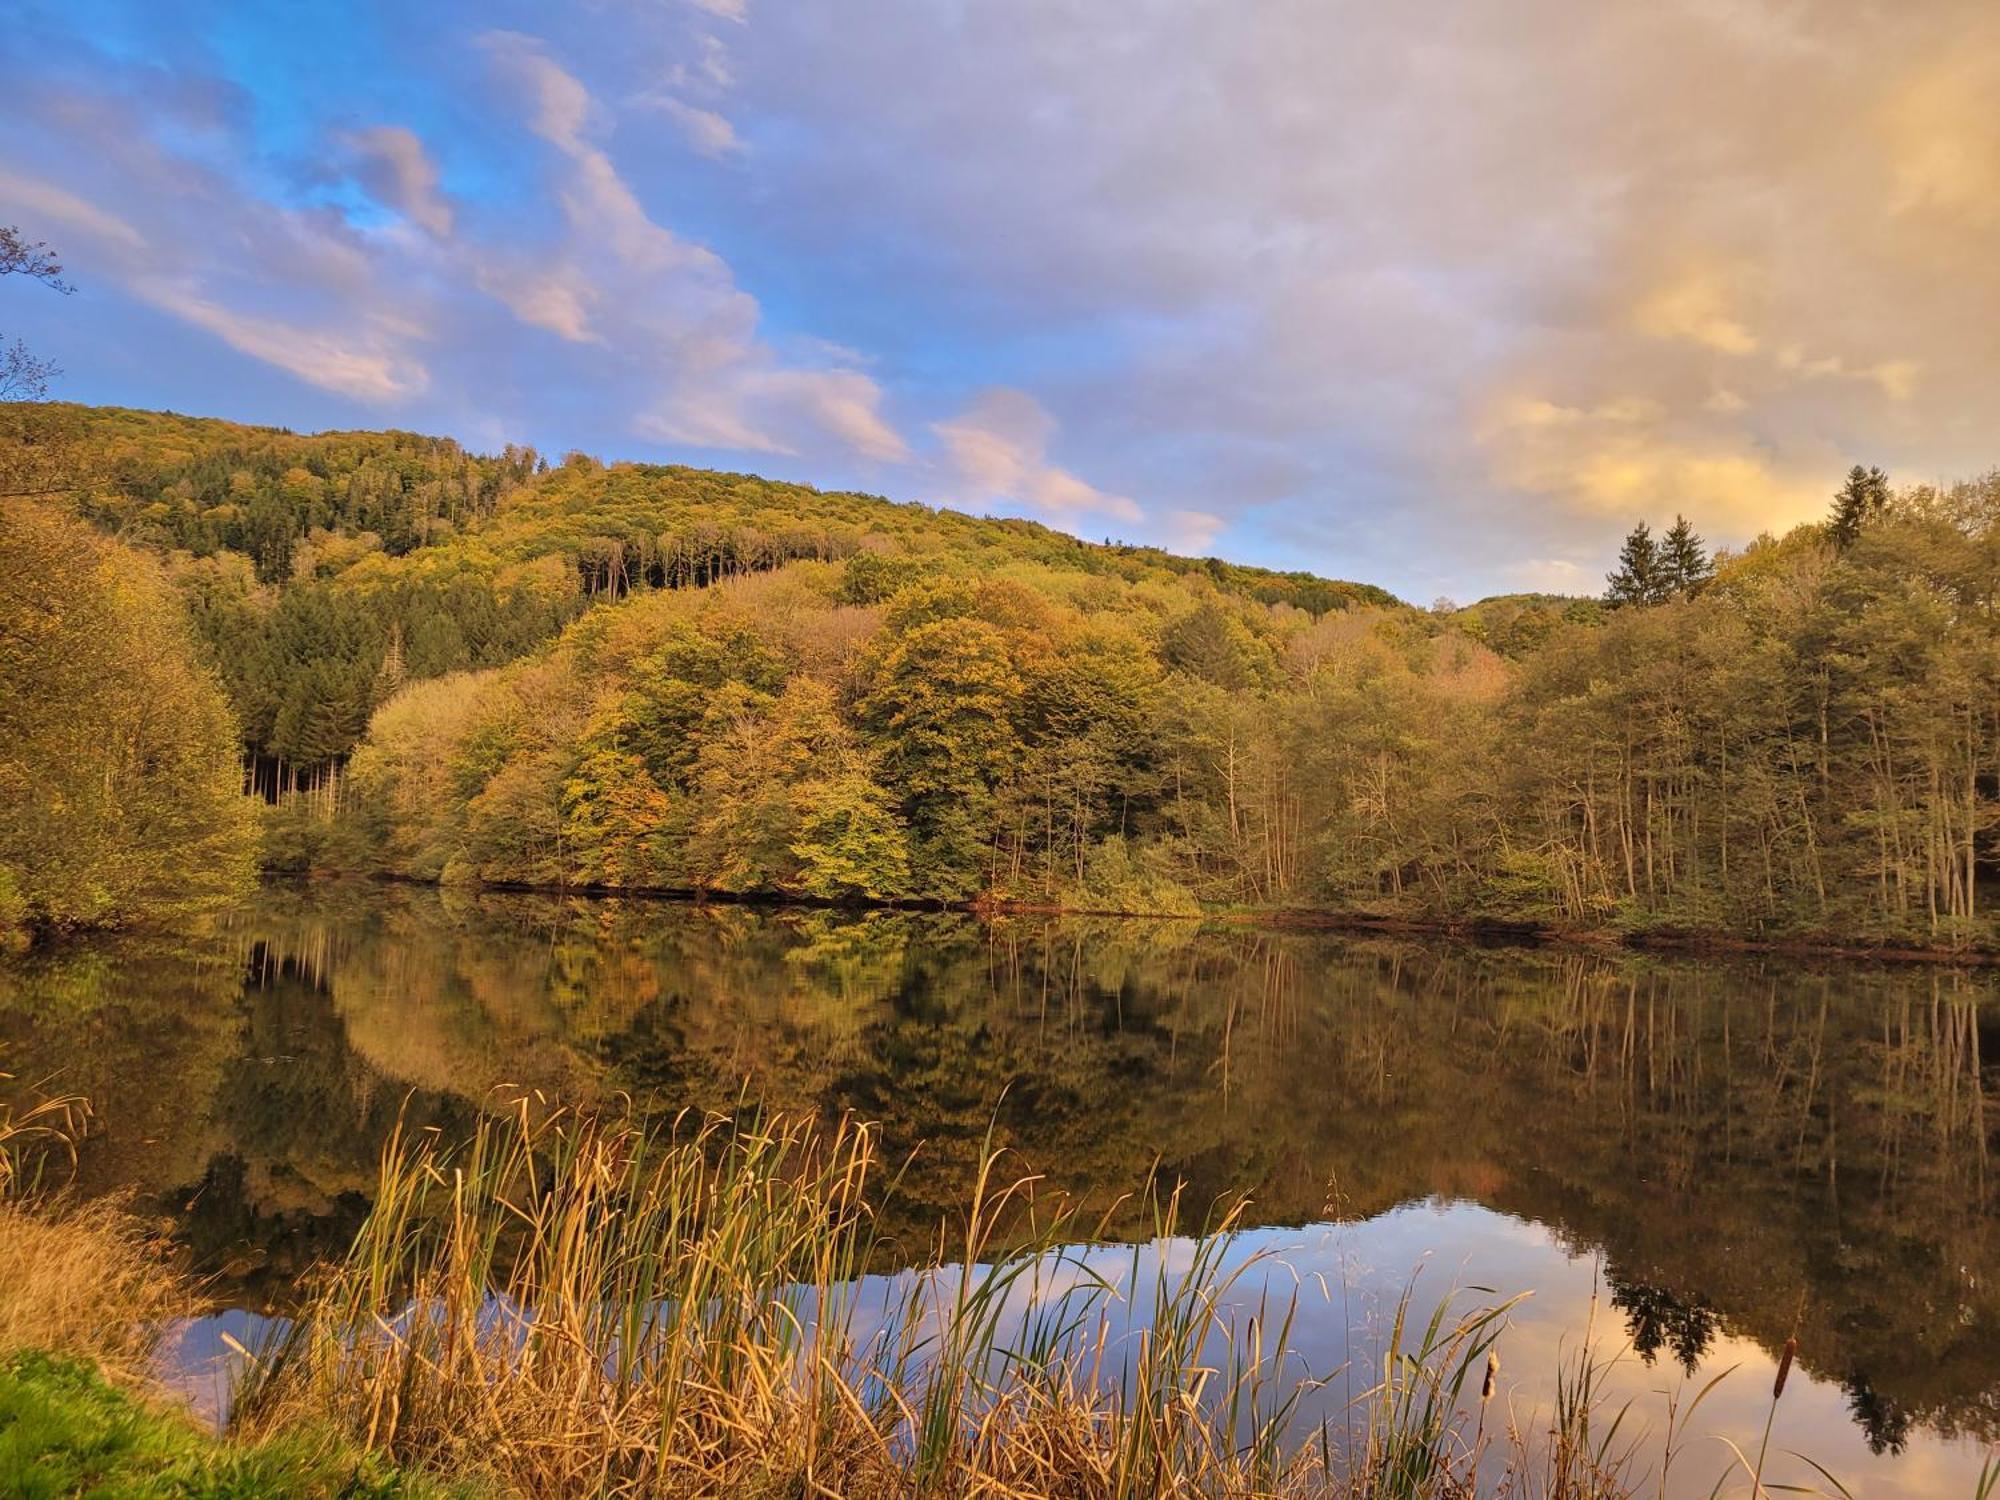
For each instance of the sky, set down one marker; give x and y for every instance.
(1441, 296)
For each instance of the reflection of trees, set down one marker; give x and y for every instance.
(1730, 1136)
(1884, 1422)
(141, 1028)
(1657, 1318)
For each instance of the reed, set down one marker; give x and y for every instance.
(76, 1279)
(579, 1306)
(36, 1131)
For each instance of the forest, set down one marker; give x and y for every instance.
(516, 671)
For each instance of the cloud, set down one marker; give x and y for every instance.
(1694, 308)
(372, 370)
(1943, 139)
(366, 352)
(708, 132)
(393, 165)
(997, 450)
(1551, 575)
(1192, 532)
(38, 202)
(1209, 236)
(677, 310)
(1631, 459)
(1361, 295)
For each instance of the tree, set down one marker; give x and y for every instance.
(1857, 502)
(1641, 577)
(120, 793)
(35, 441)
(29, 258)
(614, 814)
(1683, 560)
(850, 841)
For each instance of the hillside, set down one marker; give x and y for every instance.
(492, 669)
(326, 569)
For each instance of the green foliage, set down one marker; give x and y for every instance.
(1641, 576)
(1863, 497)
(325, 570)
(849, 842)
(65, 1433)
(637, 675)
(1684, 560)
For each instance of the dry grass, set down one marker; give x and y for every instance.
(83, 1280)
(80, 1279)
(574, 1306)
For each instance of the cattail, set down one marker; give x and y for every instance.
(1784, 1366)
(1492, 1375)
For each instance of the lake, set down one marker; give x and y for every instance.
(1685, 1160)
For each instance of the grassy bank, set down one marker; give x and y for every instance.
(65, 1430)
(85, 1297)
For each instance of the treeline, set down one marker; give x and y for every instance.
(1799, 740)
(1028, 734)
(645, 676)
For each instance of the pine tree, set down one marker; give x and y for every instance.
(1855, 504)
(1639, 579)
(1684, 562)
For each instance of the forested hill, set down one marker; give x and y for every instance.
(326, 569)
(487, 668)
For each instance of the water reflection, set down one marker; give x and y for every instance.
(1717, 1142)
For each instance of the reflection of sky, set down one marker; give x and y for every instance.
(1347, 1279)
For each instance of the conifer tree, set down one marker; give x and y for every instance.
(1684, 562)
(1639, 579)
(1855, 504)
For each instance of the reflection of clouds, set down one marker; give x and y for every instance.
(1349, 1281)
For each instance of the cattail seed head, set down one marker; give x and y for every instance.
(1492, 1375)
(1784, 1367)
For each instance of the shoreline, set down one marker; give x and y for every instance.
(1483, 932)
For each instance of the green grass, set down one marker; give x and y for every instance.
(64, 1432)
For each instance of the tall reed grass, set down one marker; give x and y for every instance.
(575, 1305)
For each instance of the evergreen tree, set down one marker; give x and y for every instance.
(1856, 503)
(1640, 578)
(1684, 562)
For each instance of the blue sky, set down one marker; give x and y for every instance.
(1441, 296)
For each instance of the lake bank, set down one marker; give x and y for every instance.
(1471, 929)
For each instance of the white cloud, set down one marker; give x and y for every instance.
(1193, 531)
(36, 201)
(361, 349)
(997, 449)
(668, 308)
(371, 369)
(1551, 575)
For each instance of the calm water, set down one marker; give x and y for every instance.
(1695, 1151)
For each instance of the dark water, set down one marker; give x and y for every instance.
(1685, 1160)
